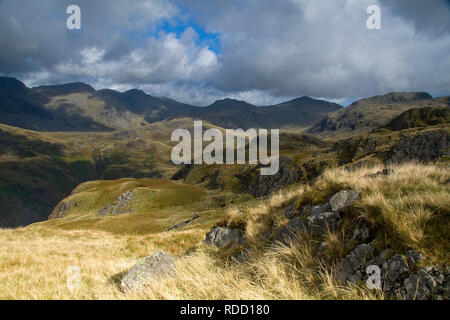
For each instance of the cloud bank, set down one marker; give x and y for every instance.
(269, 50)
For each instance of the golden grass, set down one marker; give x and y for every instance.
(34, 265)
(410, 208)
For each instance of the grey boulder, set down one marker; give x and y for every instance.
(221, 237)
(148, 269)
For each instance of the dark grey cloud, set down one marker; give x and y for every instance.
(431, 16)
(270, 49)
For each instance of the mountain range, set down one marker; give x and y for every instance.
(79, 107)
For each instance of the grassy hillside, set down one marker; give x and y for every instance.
(407, 209)
(149, 210)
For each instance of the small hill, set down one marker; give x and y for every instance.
(128, 205)
(365, 115)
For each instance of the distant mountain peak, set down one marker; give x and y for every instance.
(301, 99)
(229, 102)
(12, 85)
(67, 88)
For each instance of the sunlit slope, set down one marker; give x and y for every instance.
(130, 206)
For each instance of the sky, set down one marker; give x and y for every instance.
(260, 51)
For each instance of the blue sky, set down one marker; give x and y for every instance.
(211, 40)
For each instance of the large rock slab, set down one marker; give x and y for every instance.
(221, 237)
(146, 270)
(119, 206)
(62, 209)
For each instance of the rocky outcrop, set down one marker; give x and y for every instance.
(259, 186)
(184, 223)
(421, 147)
(183, 172)
(317, 220)
(420, 117)
(357, 147)
(221, 237)
(62, 208)
(147, 270)
(289, 231)
(353, 267)
(117, 207)
(397, 276)
(428, 283)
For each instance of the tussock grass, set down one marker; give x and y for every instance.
(409, 209)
